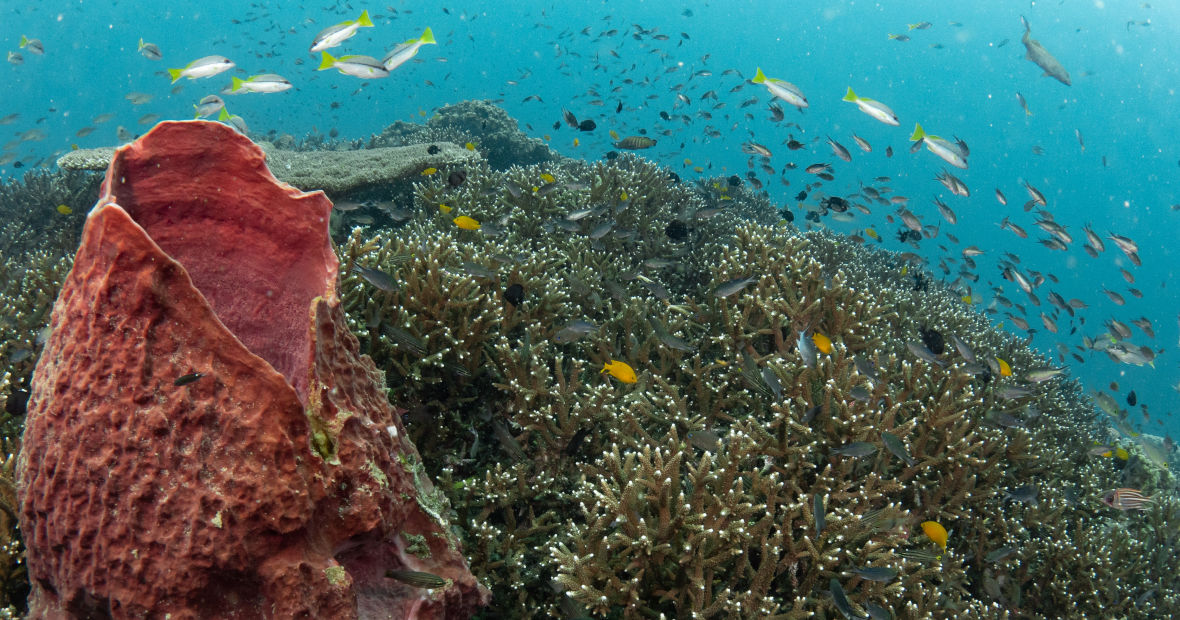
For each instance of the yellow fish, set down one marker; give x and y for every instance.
(64, 210)
(1005, 369)
(614, 134)
(623, 196)
(444, 208)
(576, 142)
(967, 299)
(546, 177)
(822, 342)
(905, 269)
(687, 161)
(697, 169)
(1122, 454)
(936, 532)
(547, 137)
(872, 233)
(469, 146)
(466, 223)
(429, 171)
(620, 371)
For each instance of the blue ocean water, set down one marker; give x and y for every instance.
(623, 63)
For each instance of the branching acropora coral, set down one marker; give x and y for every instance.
(692, 490)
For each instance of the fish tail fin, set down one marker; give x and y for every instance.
(912, 26)
(605, 367)
(364, 20)
(759, 76)
(140, 44)
(851, 96)
(175, 74)
(918, 133)
(224, 116)
(235, 83)
(327, 62)
(24, 41)
(1024, 21)
(197, 113)
(427, 36)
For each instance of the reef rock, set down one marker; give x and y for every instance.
(203, 437)
(334, 172)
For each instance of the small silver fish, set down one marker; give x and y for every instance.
(896, 446)
(668, 339)
(771, 379)
(600, 231)
(704, 439)
(1026, 494)
(866, 368)
(817, 511)
(962, 348)
(856, 449)
(841, 601)
(376, 277)
(151, 51)
(1038, 375)
(807, 349)
(726, 289)
(574, 331)
(999, 554)
(883, 574)
(922, 352)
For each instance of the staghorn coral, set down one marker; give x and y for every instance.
(589, 496)
(36, 243)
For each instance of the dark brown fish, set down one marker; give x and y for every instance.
(192, 377)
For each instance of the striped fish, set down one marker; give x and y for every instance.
(1126, 499)
(635, 143)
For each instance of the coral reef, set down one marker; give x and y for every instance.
(695, 489)
(488, 127)
(214, 400)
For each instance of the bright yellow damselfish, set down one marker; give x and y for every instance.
(546, 177)
(64, 209)
(466, 223)
(822, 342)
(620, 371)
(469, 146)
(936, 532)
(429, 171)
(445, 208)
(1005, 369)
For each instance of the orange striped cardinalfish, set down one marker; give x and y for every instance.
(1126, 499)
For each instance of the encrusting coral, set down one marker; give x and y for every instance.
(697, 488)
